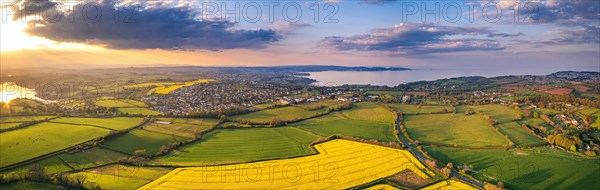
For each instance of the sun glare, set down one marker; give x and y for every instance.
(13, 37)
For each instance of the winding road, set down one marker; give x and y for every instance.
(422, 158)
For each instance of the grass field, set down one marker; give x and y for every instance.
(238, 145)
(337, 123)
(499, 112)
(505, 116)
(391, 93)
(115, 123)
(450, 129)
(22, 185)
(308, 106)
(340, 164)
(285, 114)
(9, 125)
(266, 105)
(43, 138)
(20, 119)
(369, 112)
(546, 111)
(91, 157)
(120, 103)
(538, 168)
(182, 127)
(449, 185)
(119, 177)
(140, 139)
(519, 135)
(594, 113)
(138, 111)
(538, 122)
(414, 109)
(51, 165)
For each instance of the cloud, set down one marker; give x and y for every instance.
(562, 12)
(585, 35)
(378, 2)
(288, 28)
(417, 38)
(149, 27)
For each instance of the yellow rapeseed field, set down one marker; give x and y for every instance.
(340, 164)
(167, 87)
(449, 185)
(382, 187)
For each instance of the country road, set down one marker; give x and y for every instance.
(422, 158)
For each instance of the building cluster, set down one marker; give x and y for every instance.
(215, 97)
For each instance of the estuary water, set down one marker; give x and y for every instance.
(393, 78)
(10, 91)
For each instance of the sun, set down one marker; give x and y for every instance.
(6, 97)
(13, 38)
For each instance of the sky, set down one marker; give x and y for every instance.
(550, 35)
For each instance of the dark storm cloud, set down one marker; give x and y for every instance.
(144, 27)
(417, 38)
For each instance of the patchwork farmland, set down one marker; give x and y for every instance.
(172, 153)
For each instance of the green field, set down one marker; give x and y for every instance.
(138, 111)
(267, 105)
(311, 105)
(369, 112)
(452, 129)
(538, 168)
(392, 93)
(9, 125)
(91, 157)
(414, 109)
(20, 119)
(594, 113)
(286, 114)
(337, 123)
(498, 112)
(120, 103)
(182, 127)
(512, 129)
(115, 123)
(51, 165)
(519, 135)
(22, 185)
(538, 122)
(140, 139)
(545, 111)
(118, 177)
(239, 145)
(43, 138)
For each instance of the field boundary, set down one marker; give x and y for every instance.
(58, 152)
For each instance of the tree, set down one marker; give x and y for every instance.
(519, 117)
(140, 153)
(573, 148)
(550, 139)
(536, 115)
(276, 122)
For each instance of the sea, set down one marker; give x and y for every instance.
(394, 78)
